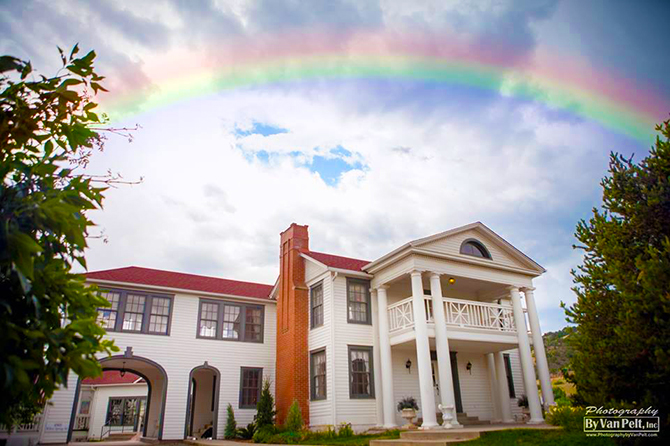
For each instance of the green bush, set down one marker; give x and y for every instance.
(294, 418)
(247, 433)
(560, 397)
(345, 430)
(568, 417)
(231, 424)
(263, 434)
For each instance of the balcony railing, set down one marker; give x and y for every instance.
(81, 422)
(458, 312)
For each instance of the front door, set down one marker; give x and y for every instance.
(457, 384)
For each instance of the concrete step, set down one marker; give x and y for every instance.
(120, 436)
(403, 442)
(438, 435)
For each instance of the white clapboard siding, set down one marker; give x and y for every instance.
(178, 354)
(321, 412)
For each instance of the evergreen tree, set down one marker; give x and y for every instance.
(294, 418)
(231, 424)
(265, 408)
(622, 342)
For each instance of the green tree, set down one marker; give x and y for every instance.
(231, 424)
(265, 408)
(48, 131)
(622, 340)
(294, 418)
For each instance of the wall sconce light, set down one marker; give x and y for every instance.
(468, 367)
(452, 281)
(123, 370)
(408, 366)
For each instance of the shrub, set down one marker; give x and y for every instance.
(560, 397)
(345, 430)
(231, 424)
(265, 408)
(263, 434)
(294, 418)
(569, 418)
(409, 402)
(247, 433)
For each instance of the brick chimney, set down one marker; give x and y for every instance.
(292, 382)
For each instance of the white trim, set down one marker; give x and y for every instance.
(347, 272)
(178, 290)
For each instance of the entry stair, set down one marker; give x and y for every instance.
(435, 437)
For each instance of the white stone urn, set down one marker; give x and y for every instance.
(447, 416)
(408, 415)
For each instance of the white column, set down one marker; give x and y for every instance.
(503, 390)
(538, 347)
(490, 362)
(385, 356)
(529, 379)
(442, 346)
(379, 394)
(423, 354)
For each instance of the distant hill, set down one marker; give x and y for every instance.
(558, 351)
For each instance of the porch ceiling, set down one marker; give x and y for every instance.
(457, 345)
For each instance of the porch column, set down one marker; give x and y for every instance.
(442, 346)
(385, 355)
(423, 354)
(490, 362)
(529, 379)
(503, 391)
(538, 346)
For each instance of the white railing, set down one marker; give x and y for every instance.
(81, 422)
(401, 315)
(458, 312)
(33, 426)
(479, 315)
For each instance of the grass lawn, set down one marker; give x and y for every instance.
(545, 437)
(356, 440)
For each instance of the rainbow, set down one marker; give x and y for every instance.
(558, 82)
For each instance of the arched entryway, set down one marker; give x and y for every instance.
(202, 409)
(152, 408)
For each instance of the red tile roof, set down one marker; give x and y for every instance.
(169, 279)
(338, 261)
(112, 377)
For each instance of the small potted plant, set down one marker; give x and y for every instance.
(408, 407)
(522, 402)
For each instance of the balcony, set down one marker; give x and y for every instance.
(458, 312)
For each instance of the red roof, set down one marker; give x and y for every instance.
(169, 279)
(338, 261)
(112, 377)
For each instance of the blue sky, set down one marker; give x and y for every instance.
(368, 164)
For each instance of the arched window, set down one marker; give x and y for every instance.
(473, 247)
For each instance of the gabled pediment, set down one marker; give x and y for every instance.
(500, 250)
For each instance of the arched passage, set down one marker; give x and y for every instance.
(156, 379)
(202, 406)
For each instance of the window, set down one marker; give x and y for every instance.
(108, 316)
(360, 372)
(136, 312)
(316, 305)
(474, 248)
(318, 375)
(230, 321)
(510, 379)
(123, 411)
(250, 387)
(358, 301)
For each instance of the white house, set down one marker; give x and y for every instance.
(440, 318)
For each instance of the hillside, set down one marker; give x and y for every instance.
(558, 351)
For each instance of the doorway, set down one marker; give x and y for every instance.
(202, 411)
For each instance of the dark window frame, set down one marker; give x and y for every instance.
(486, 254)
(368, 302)
(146, 315)
(312, 307)
(259, 370)
(369, 350)
(510, 377)
(312, 375)
(243, 320)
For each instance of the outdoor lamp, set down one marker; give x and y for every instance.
(468, 367)
(452, 281)
(408, 366)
